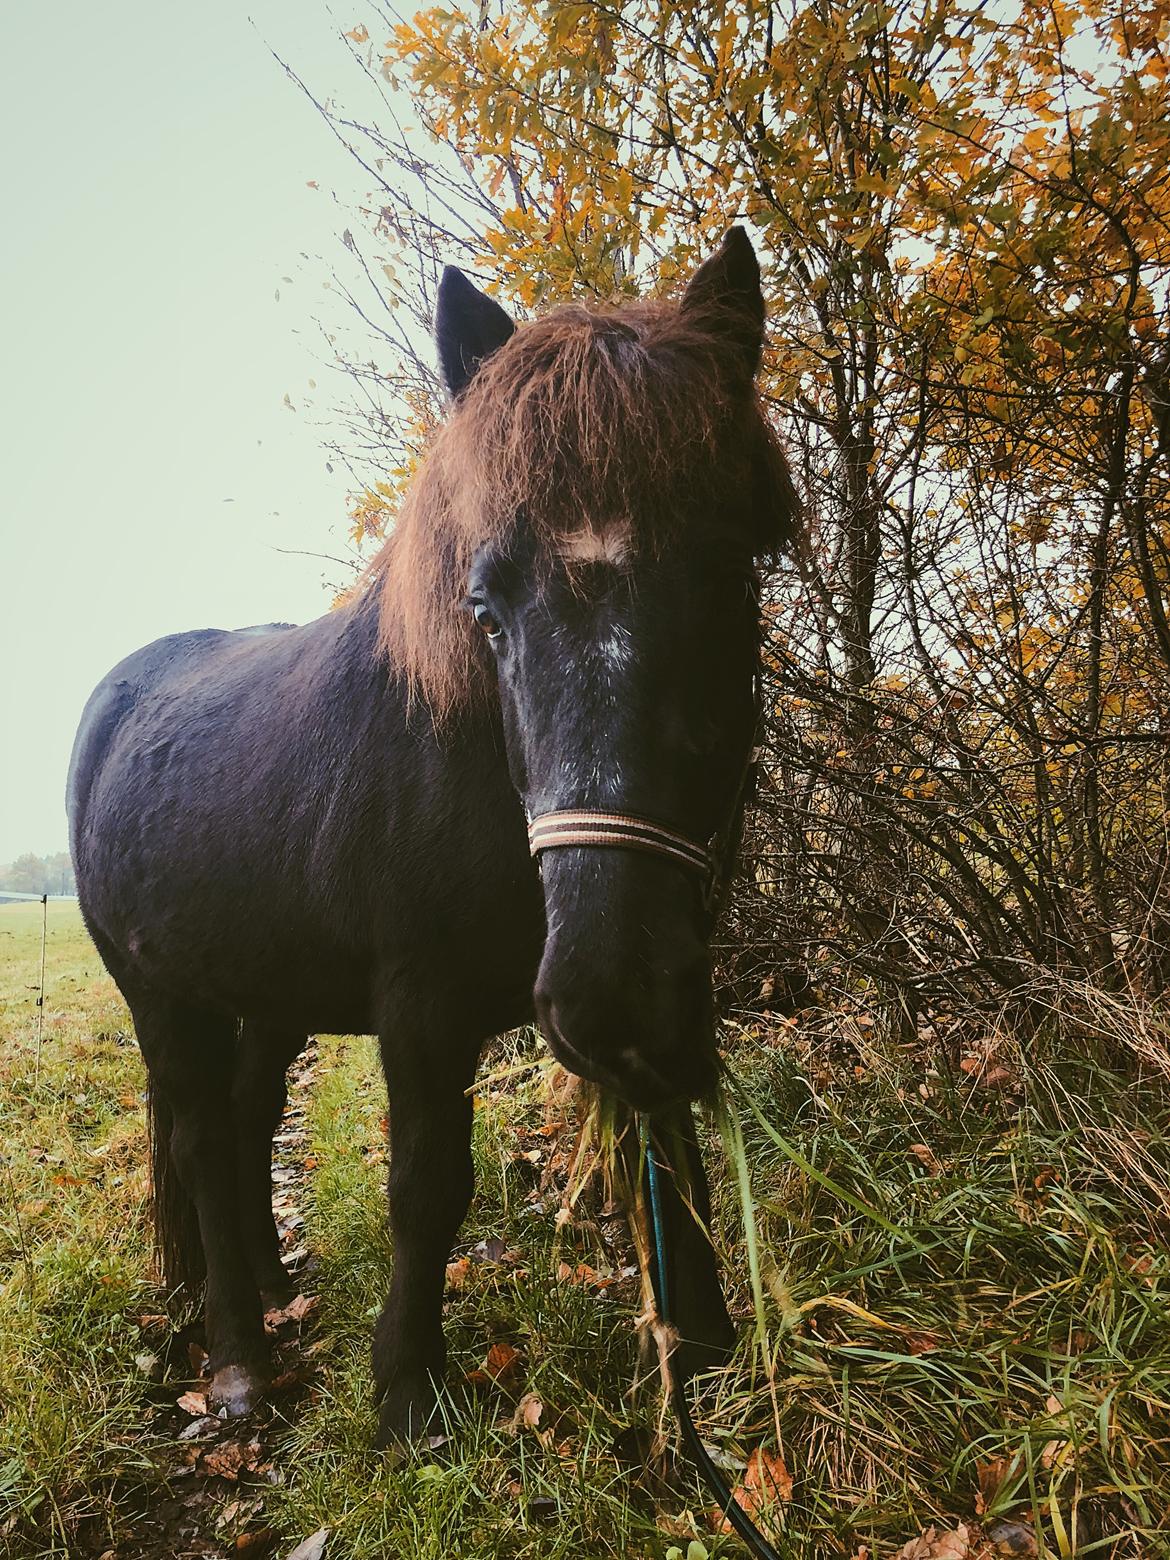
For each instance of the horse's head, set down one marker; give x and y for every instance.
(618, 479)
(627, 688)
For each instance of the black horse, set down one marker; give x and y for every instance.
(284, 830)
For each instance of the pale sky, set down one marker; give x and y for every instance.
(155, 193)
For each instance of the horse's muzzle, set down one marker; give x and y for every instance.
(650, 1047)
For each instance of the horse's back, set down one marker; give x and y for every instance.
(118, 695)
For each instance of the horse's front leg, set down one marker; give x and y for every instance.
(430, 1187)
(694, 1298)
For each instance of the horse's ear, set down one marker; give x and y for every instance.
(469, 326)
(726, 291)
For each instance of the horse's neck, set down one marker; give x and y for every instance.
(397, 724)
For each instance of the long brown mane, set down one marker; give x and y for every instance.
(642, 415)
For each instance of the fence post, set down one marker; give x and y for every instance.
(41, 993)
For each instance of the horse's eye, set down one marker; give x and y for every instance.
(486, 621)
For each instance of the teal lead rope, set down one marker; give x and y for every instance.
(731, 1508)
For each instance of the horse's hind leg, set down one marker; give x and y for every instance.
(190, 1055)
(259, 1095)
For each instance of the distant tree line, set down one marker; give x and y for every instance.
(31, 874)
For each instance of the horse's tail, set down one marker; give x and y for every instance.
(176, 1226)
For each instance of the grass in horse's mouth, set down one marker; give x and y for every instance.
(964, 1310)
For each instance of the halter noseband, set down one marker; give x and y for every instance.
(626, 831)
(584, 826)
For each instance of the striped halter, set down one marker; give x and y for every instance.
(584, 826)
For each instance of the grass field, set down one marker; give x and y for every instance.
(965, 1312)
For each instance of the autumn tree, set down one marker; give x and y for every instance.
(964, 223)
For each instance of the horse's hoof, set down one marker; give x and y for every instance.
(407, 1420)
(237, 1389)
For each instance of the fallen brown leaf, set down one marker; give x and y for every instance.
(294, 1376)
(991, 1476)
(502, 1362)
(193, 1403)
(681, 1526)
(242, 1509)
(920, 1343)
(954, 1544)
(226, 1460)
(985, 1074)
(528, 1412)
(457, 1273)
(295, 1311)
(582, 1273)
(766, 1480)
(258, 1542)
(997, 1078)
(925, 1157)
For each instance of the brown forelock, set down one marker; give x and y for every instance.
(639, 415)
